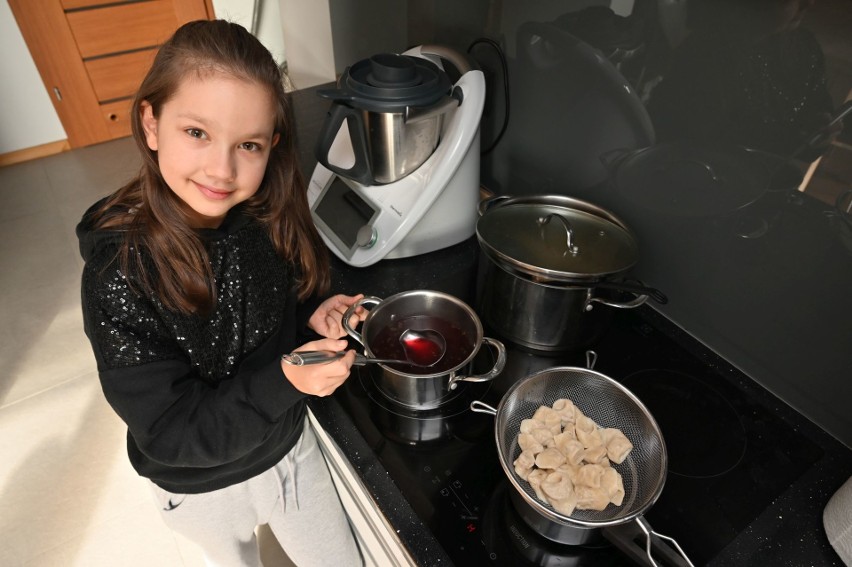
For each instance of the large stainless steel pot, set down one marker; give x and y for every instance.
(423, 388)
(546, 261)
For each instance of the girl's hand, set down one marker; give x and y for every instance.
(327, 320)
(320, 379)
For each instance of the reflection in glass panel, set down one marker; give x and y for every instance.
(705, 125)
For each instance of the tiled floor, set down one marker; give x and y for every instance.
(68, 496)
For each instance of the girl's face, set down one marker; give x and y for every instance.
(212, 139)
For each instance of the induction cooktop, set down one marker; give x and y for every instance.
(731, 452)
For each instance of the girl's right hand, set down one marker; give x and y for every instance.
(320, 379)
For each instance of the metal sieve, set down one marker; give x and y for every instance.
(609, 404)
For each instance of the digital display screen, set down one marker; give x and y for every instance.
(343, 211)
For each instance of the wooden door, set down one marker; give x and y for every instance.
(93, 54)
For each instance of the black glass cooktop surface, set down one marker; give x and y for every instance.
(730, 453)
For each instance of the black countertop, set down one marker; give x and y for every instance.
(788, 532)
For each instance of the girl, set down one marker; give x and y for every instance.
(199, 274)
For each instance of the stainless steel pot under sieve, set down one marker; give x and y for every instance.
(609, 404)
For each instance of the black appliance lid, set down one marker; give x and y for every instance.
(387, 82)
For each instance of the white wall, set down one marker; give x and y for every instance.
(323, 37)
(27, 117)
(269, 29)
(307, 32)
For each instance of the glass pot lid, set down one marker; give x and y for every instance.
(555, 238)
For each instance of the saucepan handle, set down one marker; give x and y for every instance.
(351, 311)
(499, 364)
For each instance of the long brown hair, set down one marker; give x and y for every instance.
(158, 224)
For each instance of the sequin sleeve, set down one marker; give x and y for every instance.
(175, 416)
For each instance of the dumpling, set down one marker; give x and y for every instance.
(527, 425)
(572, 471)
(527, 442)
(573, 451)
(566, 410)
(548, 417)
(550, 458)
(526, 459)
(543, 435)
(522, 471)
(535, 478)
(557, 486)
(589, 498)
(613, 484)
(596, 455)
(562, 438)
(565, 506)
(618, 446)
(590, 475)
(543, 413)
(590, 439)
(584, 423)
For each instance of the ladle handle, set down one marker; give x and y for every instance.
(305, 357)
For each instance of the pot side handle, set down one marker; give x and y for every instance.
(641, 291)
(499, 364)
(351, 311)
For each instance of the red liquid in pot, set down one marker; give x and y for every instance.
(386, 344)
(421, 350)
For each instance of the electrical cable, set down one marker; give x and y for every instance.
(505, 69)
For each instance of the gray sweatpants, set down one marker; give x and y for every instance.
(296, 498)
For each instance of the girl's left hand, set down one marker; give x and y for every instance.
(327, 320)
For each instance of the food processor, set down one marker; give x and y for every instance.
(398, 171)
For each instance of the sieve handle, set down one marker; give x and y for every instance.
(646, 529)
(482, 407)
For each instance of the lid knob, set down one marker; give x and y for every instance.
(391, 70)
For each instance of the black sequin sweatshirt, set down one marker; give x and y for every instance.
(204, 398)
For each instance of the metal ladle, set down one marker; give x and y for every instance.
(408, 338)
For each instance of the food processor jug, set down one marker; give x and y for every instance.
(393, 106)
